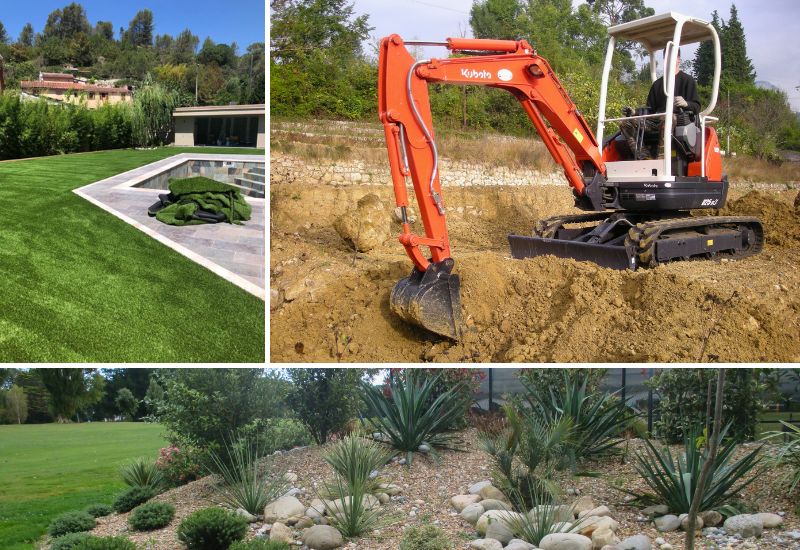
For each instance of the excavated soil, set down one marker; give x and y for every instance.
(331, 304)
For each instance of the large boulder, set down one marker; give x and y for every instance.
(459, 502)
(599, 511)
(565, 541)
(485, 544)
(498, 530)
(281, 532)
(493, 516)
(492, 504)
(603, 537)
(588, 525)
(472, 512)
(668, 523)
(366, 226)
(492, 492)
(475, 489)
(744, 525)
(655, 510)
(283, 509)
(636, 542)
(519, 544)
(322, 537)
(770, 521)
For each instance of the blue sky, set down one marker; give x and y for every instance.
(241, 21)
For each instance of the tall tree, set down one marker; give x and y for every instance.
(26, 36)
(3, 34)
(104, 29)
(16, 405)
(185, 47)
(67, 22)
(496, 19)
(703, 65)
(37, 396)
(126, 403)
(736, 66)
(71, 390)
(140, 29)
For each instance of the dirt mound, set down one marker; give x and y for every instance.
(780, 219)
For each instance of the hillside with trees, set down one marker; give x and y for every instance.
(320, 68)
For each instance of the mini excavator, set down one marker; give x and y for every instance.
(638, 210)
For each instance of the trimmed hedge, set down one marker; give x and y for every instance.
(212, 529)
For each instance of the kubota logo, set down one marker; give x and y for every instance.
(472, 73)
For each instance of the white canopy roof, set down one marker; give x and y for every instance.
(655, 31)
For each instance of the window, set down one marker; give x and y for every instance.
(91, 95)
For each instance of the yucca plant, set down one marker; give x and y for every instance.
(246, 483)
(533, 526)
(408, 420)
(350, 512)
(674, 479)
(787, 452)
(142, 473)
(598, 420)
(526, 455)
(355, 458)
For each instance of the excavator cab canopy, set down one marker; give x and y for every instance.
(666, 31)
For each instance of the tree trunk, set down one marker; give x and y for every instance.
(712, 444)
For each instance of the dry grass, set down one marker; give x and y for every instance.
(748, 169)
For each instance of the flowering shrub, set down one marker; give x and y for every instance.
(179, 466)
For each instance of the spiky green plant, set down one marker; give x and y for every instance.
(350, 512)
(142, 473)
(674, 478)
(246, 482)
(787, 452)
(539, 522)
(354, 459)
(406, 418)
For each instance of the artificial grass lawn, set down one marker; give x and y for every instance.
(48, 469)
(78, 284)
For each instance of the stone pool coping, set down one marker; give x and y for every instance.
(237, 255)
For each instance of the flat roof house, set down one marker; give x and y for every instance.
(64, 87)
(220, 125)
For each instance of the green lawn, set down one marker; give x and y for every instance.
(78, 284)
(47, 469)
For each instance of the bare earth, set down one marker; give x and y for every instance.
(428, 487)
(536, 310)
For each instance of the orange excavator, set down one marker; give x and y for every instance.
(639, 209)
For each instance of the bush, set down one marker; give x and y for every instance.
(675, 481)
(179, 465)
(425, 537)
(354, 459)
(151, 515)
(407, 419)
(260, 544)
(211, 529)
(98, 510)
(70, 522)
(141, 473)
(325, 400)
(534, 526)
(132, 498)
(787, 452)
(277, 434)
(85, 541)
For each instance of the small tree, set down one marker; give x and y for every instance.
(16, 405)
(126, 403)
(152, 113)
(325, 400)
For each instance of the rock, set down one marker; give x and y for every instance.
(589, 524)
(282, 509)
(424, 448)
(582, 504)
(371, 502)
(390, 489)
(313, 513)
(744, 525)
(518, 544)
(291, 477)
(655, 511)
(498, 530)
(492, 492)
(246, 515)
(666, 546)
(603, 537)
(492, 515)
(599, 511)
(292, 291)
(636, 542)
(668, 523)
(770, 521)
(322, 537)
(685, 522)
(472, 512)
(559, 512)
(459, 502)
(492, 504)
(281, 532)
(304, 523)
(475, 489)
(711, 518)
(565, 541)
(383, 498)
(485, 544)
(365, 227)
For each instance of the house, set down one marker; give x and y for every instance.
(66, 88)
(220, 125)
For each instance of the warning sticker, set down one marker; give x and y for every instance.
(577, 135)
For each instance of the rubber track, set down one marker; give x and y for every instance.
(644, 235)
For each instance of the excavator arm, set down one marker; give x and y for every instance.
(430, 296)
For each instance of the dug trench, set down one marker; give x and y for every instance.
(331, 303)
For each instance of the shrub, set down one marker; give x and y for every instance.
(325, 400)
(675, 481)
(425, 537)
(98, 510)
(211, 529)
(787, 452)
(260, 544)
(70, 522)
(557, 378)
(84, 541)
(406, 418)
(179, 465)
(277, 434)
(141, 473)
(132, 498)
(151, 515)
(351, 513)
(152, 113)
(354, 459)
(534, 526)
(246, 484)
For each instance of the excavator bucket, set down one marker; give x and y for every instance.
(605, 255)
(430, 299)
